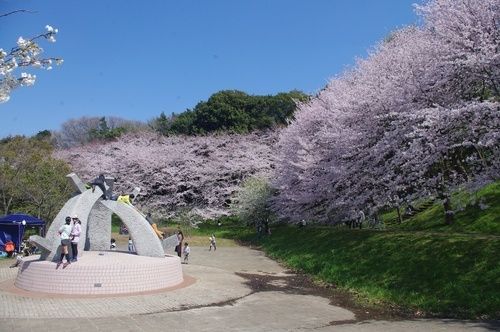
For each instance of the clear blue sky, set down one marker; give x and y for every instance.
(136, 59)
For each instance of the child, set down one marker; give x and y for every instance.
(10, 248)
(113, 244)
(186, 251)
(130, 245)
(212, 243)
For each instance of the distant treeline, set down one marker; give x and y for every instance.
(225, 111)
(231, 111)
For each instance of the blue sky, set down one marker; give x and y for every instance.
(136, 59)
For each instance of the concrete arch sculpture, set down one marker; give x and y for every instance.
(98, 271)
(95, 215)
(146, 242)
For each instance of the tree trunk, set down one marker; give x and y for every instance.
(400, 218)
(6, 204)
(448, 212)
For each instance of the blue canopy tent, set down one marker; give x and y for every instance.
(12, 228)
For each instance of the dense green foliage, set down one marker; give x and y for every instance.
(234, 111)
(31, 181)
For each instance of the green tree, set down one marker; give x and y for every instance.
(183, 123)
(104, 132)
(162, 124)
(251, 203)
(45, 188)
(10, 169)
(30, 179)
(43, 135)
(236, 111)
(224, 111)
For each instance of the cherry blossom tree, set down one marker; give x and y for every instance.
(419, 116)
(27, 54)
(179, 173)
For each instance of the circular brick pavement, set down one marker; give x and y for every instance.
(100, 273)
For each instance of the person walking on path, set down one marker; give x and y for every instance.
(186, 251)
(65, 233)
(212, 243)
(75, 237)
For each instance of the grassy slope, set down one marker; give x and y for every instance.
(452, 275)
(421, 265)
(472, 219)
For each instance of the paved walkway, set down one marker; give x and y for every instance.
(224, 296)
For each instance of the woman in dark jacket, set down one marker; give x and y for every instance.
(180, 238)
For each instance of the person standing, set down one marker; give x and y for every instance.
(212, 243)
(180, 238)
(186, 251)
(65, 233)
(75, 237)
(131, 247)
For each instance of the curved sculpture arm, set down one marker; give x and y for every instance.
(145, 240)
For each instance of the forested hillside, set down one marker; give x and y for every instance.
(233, 111)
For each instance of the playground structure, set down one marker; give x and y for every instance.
(98, 270)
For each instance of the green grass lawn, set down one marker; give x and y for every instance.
(472, 217)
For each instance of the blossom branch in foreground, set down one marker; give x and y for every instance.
(26, 54)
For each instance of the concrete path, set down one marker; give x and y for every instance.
(236, 289)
